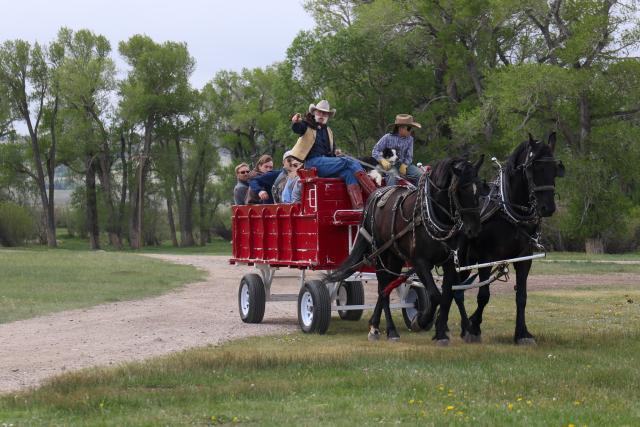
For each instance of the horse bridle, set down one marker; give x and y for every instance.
(527, 167)
(454, 200)
(532, 216)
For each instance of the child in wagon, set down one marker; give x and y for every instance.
(400, 140)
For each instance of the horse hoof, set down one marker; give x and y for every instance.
(373, 336)
(470, 338)
(443, 342)
(526, 341)
(393, 339)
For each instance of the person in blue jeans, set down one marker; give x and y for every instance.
(400, 140)
(316, 149)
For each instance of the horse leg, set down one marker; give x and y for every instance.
(394, 265)
(374, 321)
(450, 277)
(458, 297)
(522, 335)
(426, 319)
(473, 333)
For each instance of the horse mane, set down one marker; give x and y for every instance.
(442, 171)
(512, 162)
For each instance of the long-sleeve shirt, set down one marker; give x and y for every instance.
(265, 182)
(402, 144)
(322, 146)
(240, 192)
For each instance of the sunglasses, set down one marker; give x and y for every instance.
(295, 165)
(243, 172)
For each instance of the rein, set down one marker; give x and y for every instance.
(434, 229)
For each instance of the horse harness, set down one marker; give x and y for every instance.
(497, 199)
(424, 216)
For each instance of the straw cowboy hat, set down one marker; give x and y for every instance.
(406, 120)
(322, 106)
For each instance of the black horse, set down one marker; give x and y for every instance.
(512, 209)
(418, 227)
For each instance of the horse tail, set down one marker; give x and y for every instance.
(353, 262)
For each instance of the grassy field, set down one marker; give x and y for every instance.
(35, 282)
(216, 247)
(585, 370)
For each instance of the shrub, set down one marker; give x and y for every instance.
(16, 224)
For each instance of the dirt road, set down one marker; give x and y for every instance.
(195, 315)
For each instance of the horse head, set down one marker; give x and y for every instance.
(466, 194)
(541, 168)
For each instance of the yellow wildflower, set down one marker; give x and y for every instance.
(450, 408)
(510, 406)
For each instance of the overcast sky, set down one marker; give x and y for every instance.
(220, 34)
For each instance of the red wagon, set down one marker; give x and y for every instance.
(315, 234)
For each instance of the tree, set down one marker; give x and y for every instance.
(26, 77)
(243, 110)
(157, 86)
(87, 80)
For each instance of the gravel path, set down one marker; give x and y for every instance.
(198, 314)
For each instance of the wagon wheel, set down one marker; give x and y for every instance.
(418, 296)
(251, 298)
(350, 293)
(314, 307)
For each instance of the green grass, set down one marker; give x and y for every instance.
(584, 371)
(581, 263)
(216, 247)
(631, 256)
(36, 282)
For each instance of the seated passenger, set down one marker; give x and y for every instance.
(242, 184)
(269, 186)
(264, 165)
(292, 192)
(316, 148)
(400, 140)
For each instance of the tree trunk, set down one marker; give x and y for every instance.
(47, 205)
(137, 209)
(92, 204)
(172, 224)
(185, 203)
(594, 246)
(124, 149)
(113, 219)
(204, 227)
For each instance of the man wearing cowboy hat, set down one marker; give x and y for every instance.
(316, 148)
(401, 141)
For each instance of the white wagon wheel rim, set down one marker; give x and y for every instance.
(244, 299)
(412, 297)
(306, 308)
(341, 298)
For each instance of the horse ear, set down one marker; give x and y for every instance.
(477, 165)
(552, 141)
(457, 171)
(532, 140)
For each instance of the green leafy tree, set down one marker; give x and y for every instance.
(27, 81)
(87, 81)
(157, 86)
